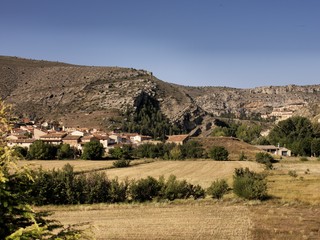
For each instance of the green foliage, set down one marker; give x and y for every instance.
(65, 152)
(303, 159)
(218, 188)
(121, 163)
(148, 119)
(17, 218)
(218, 153)
(315, 147)
(265, 158)
(192, 149)
(92, 151)
(248, 133)
(176, 153)
(249, 185)
(123, 152)
(144, 189)
(21, 152)
(42, 151)
(296, 133)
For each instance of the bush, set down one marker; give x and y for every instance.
(92, 151)
(121, 163)
(42, 151)
(144, 189)
(218, 188)
(249, 185)
(219, 153)
(265, 158)
(21, 152)
(65, 152)
(175, 189)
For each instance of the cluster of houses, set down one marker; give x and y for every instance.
(25, 135)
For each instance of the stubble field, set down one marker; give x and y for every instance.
(291, 213)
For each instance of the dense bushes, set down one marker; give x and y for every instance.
(218, 188)
(67, 187)
(218, 153)
(249, 185)
(92, 151)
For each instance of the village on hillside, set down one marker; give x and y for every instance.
(25, 132)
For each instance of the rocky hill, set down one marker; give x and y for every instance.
(98, 96)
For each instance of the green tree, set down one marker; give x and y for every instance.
(42, 151)
(17, 218)
(315, 147)
(65, 152)
(295, 133)
(124, 152)
(176, 153)
(265, 158)
(92, 151)
(219, 153)
(248, 133)
(192, 149)
(249, 185)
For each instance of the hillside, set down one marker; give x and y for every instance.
(87, 96)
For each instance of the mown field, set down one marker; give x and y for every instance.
(291, 213)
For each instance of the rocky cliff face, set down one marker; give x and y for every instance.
(97, 96)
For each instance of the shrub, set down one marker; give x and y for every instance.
(42, 151)
(144, 189)
(65, 152)
(121, 163)
(218, 188)
(92, 151)
(303, 159)
(218, 153)
(21, 152)
(175, 189)
(249, 185)
(265, 158)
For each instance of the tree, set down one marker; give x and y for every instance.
(265, 158)
(219, 153)
(295, 133)
(65, 152)
(315, 147)
(92, 151)
(123, 152)
(176, 153)
(42, 151)
(192, 149)
(18, 220)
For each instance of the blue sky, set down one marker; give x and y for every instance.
(234, 43)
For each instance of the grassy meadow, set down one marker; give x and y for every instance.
(292, 212)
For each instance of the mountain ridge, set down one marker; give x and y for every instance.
(98, 96)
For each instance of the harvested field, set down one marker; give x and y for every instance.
(304, 187)
(285, 221)
(79, 165)
(162, 221)
(201, 219)
(196, 172)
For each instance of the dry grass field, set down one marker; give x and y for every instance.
(291, 213)
(195, 172)
(196, 220)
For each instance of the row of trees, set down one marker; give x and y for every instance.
(298, 134)
(41, 150)
(67, 187)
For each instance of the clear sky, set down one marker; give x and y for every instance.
(234, 43)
